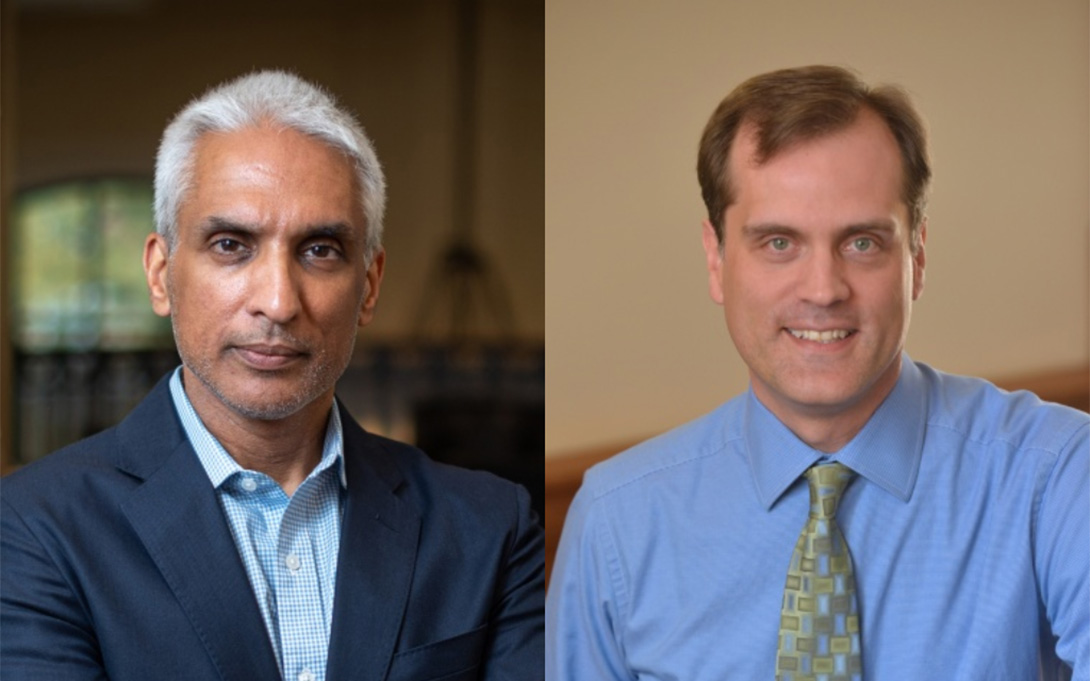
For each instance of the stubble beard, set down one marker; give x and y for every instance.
(320, 374)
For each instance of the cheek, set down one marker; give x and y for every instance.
(908, 282)
(191, 321)
(751, 313)
(338, 310)
(756, 292)
(888, 296)
(202, 303)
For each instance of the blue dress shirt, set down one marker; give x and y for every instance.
(968, 525)
(288, 544)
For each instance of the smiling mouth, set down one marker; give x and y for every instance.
(823, 337)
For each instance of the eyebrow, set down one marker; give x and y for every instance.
(215, 224)
(765, 229)
(335, 230)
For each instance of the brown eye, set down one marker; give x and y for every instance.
(227, 245)
(321, 251)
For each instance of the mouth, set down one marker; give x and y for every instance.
(268, 356)
(823, 337)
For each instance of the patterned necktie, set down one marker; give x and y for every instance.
(819, 623)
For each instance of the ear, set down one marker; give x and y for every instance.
(155, 269)
(374, 282)
(713, 255)
(919, 260)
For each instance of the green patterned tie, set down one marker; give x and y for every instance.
(819, 623)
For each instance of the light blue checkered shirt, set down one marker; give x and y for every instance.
(288, 545)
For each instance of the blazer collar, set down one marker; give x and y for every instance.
(176, 515)
(379, 537)
(150, 434)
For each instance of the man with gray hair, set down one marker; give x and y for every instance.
(239, 524)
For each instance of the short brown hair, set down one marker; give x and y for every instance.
(800, 104)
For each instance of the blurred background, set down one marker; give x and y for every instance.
(451, 93)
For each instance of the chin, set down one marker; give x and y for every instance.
(263, 405)
(267, 410)
(821, 396)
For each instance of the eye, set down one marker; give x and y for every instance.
(863, 244)
(779, 243)
(227, 245)
(321, 251)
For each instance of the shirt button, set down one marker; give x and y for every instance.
(293, 563)
(306, 675)
(249, 484)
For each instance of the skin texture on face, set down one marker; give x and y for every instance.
(817, 278)
(267, 283)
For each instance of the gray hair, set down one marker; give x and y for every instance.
(259, 98)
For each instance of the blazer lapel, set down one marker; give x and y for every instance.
(178, 518)
(379, 537)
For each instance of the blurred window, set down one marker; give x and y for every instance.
(87, 345)
(79, 281)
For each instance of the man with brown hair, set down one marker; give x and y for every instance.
(947, 528)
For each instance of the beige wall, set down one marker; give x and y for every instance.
(635, 346)
(96, 88)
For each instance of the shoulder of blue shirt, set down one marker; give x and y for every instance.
(973, 407)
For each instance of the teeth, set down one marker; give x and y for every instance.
(820, 336)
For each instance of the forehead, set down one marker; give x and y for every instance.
(858, 165)
(272, 172)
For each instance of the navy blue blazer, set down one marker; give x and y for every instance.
(116, 562)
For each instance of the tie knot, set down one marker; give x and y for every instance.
(827, 483)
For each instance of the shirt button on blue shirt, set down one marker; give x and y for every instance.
(306, 675)
(293, 562)
(249, 484)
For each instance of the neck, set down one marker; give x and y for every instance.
(828, 428)
(285, 449)
(822, 434)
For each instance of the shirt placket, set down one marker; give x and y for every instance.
(303, 636)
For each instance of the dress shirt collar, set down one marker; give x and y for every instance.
(886, 451)
(219, 465)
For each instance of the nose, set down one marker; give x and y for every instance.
(274, 287)
(823, 280)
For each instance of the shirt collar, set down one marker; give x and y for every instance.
(886, 451)
(219, 465)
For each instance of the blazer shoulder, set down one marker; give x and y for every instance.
(434, 485)
(62, 473)
(119, 455)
